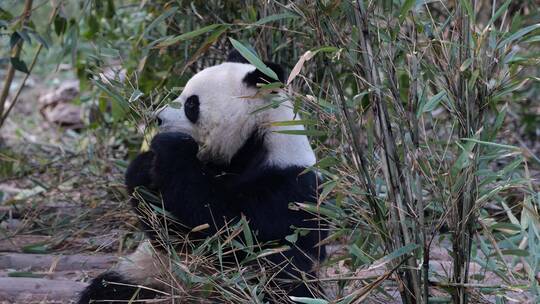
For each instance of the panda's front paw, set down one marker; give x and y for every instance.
(174, 143)
(138, 171)
(174, 148)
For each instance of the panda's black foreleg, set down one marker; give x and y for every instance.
(112, 287)
(139, 170)
(168, 153)
(188, 191)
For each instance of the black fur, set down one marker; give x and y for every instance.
(235, 56)
(197, 193)
(110, 287)
(191, 108)
(255, 77)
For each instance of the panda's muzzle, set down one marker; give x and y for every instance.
(171, 119)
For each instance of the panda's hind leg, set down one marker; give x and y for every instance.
(133, 279)
(111, 287)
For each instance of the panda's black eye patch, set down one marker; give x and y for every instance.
(191, 108)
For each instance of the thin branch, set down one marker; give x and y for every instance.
(15, 54)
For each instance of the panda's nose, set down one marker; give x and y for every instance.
(159, 121)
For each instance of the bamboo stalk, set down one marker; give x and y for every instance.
(465, 202)
(15, 53)
(4, 115)
(399, 198)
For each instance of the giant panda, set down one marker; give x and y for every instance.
(216, 159)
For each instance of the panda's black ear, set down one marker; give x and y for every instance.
(235, 56)
(251, 79)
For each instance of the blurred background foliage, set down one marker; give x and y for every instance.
(424, 116)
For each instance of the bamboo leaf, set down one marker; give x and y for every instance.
(464, 158)
(493, 144)
(275, 17)
(327, 188)
(248, 236)
(308, 300)
(405, 8)
(395, 254)
(433, 102)
(25, 274)
(518, 35)
(159, 19)
(315, 133)
(36, 248)
(60, 24)
(19, 65)
(466, 64)
(299, 122)
(253, 59)
(498, 13)
(515, 252)
(190, 35)
(468, 8)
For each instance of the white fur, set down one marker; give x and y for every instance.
(226, 118)
(143, 266)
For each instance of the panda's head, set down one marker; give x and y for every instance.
(220, 108)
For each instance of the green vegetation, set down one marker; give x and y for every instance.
(424, 116)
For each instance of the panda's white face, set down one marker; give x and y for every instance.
(217, 110)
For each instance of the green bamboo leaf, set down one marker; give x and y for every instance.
(161, 211)
(275, 17)
(433, 102)
(464, 159)
(499, 12)
(492, 144)
(60, 24)
(308, 300)
(292, 238)
(532, 39)
(506, 227)
(24, 36)
(36, 248)
(5, 15)
(19, 65)
(468, 8)
(190, 35)
(248, 236)
(41, 39)
(327, 188)
(135, 96)
(112, 94)
(271, 86)
(323, 210)
(326, 162)
(253, 59)
(396, 254)
(14, 39)
(466, 64)
(119, 106)
(299, 122)
(515, 252)
(159, 19)
(519, 34)
(405, 9)
(302, 132)
(25, 274)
